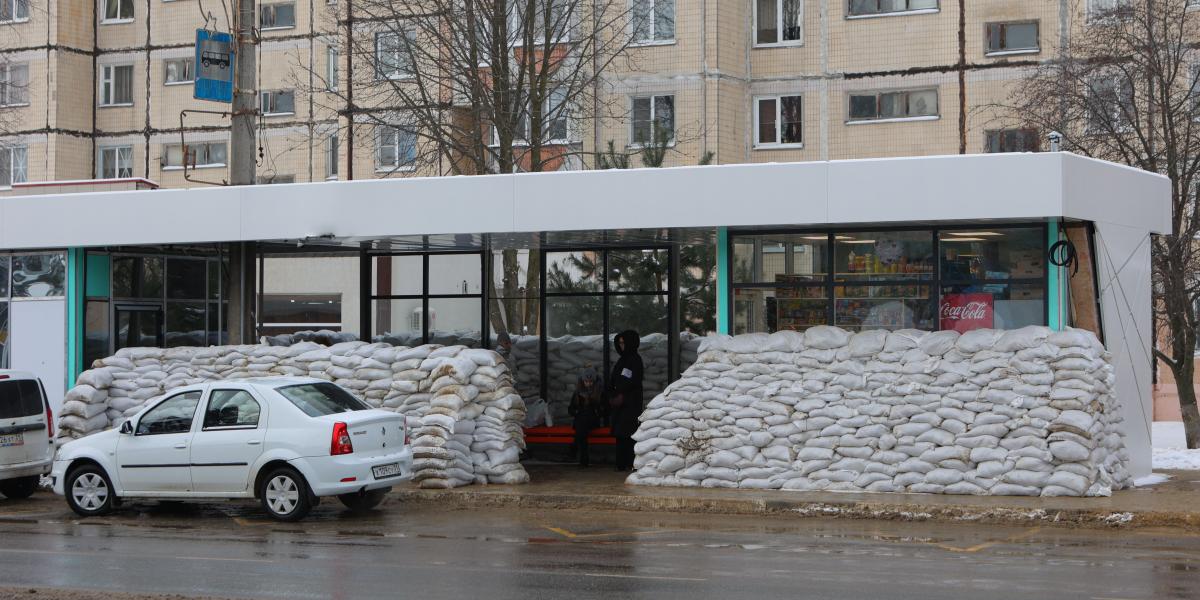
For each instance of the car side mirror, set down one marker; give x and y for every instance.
(127, 427)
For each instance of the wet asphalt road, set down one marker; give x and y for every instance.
(400, 551)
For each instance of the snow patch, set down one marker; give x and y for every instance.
(1173, 458)
(1152, 479)
(1168, 434)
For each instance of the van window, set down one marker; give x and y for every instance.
(319, 399)
(20, 398)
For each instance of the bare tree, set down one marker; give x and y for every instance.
(1125, 90)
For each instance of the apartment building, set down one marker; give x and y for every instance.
(98, 89)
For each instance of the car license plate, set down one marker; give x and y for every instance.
(385, 471)
(16, 439)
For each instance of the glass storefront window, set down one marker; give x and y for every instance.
(992, 305)
(574, 272)
(289, 313)
(398, 322)
(638, 270)
(186, 323)
(186, 278)
(860, 307)
(401, 275)
(454, 274)
(876, 255)
(781, 258)
(137, 277)
(4, 270)
(39, 275)
(993, 254)
(95, 331)
(574, 341)
(455, 321)
(214, 280)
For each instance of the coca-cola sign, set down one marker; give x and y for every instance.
(964, 312)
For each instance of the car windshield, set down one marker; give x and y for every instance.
(20, 398)
(319, 399)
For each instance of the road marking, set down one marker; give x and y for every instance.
(659, 577)
(562, 532)
(990, 543)
(249, 523)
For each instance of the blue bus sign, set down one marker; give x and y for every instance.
(214, 66)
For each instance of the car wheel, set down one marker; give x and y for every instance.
(89, 492)
(19, 488)
(284, 495)
(364, 501)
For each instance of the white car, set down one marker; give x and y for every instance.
(26, 433)
(284, 440)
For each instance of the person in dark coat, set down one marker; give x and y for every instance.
(625, 395)
(588, 408)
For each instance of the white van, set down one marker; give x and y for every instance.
(26, 433)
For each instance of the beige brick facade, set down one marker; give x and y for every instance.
(714, 68)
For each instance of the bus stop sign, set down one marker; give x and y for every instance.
(214, 66)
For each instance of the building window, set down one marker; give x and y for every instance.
(116, 85)
(653, 21)
(1112, 104)
(178, 70)
(538, 28)
(14, 11)
(275, 179)
(1012, 38)
(331, 68)
(395, 148)
(867, 8)
(780, 121)
(1104, 9)
(992, 278)
(392, 57)
(115, 162)
(653, 120)
(201, 155)
(278, 102)
(14, 164)
(277, 16)
(118, 11)
(331, 157)
(778, 22)
(289, 313)
(1012, 140)
(14, 84)
(906, 104)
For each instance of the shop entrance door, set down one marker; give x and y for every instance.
(138, 325)
(590, 296)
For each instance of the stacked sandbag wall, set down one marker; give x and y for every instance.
(464, 414)
(1023, 412)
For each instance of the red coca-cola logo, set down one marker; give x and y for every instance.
(964, 312)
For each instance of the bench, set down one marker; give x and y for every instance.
(600, 436)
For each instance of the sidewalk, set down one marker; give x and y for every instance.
(1175, 503)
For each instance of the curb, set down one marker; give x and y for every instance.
(851, 509)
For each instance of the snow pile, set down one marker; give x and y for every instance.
(1170, 448)
(1021, 412)
(464, 415)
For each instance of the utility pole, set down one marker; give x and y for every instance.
(243, 157)
(243, 143)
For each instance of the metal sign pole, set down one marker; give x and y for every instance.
(243, 142)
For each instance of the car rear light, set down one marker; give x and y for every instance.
(49, 421)
(340, 444)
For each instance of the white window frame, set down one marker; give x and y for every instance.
(380, 131)
(332, 155)
(118, 19)
(108, 78)
(194, 150)
(7, 92)
(116, 152)
(262, 11)
(1093, 10)
(652, 28)
(272, 94)
(1011, 52)
(12, 152)
(1125, 126)
(14, 8)
(863, 121)
(190, 67)
(633, 143)
(894, 13)
(332, 58)
(778, 27)
(404, 69)
(779, 144)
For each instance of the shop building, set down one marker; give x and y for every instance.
(546, 268)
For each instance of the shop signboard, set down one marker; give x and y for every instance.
(964, 312)
(214, 66)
